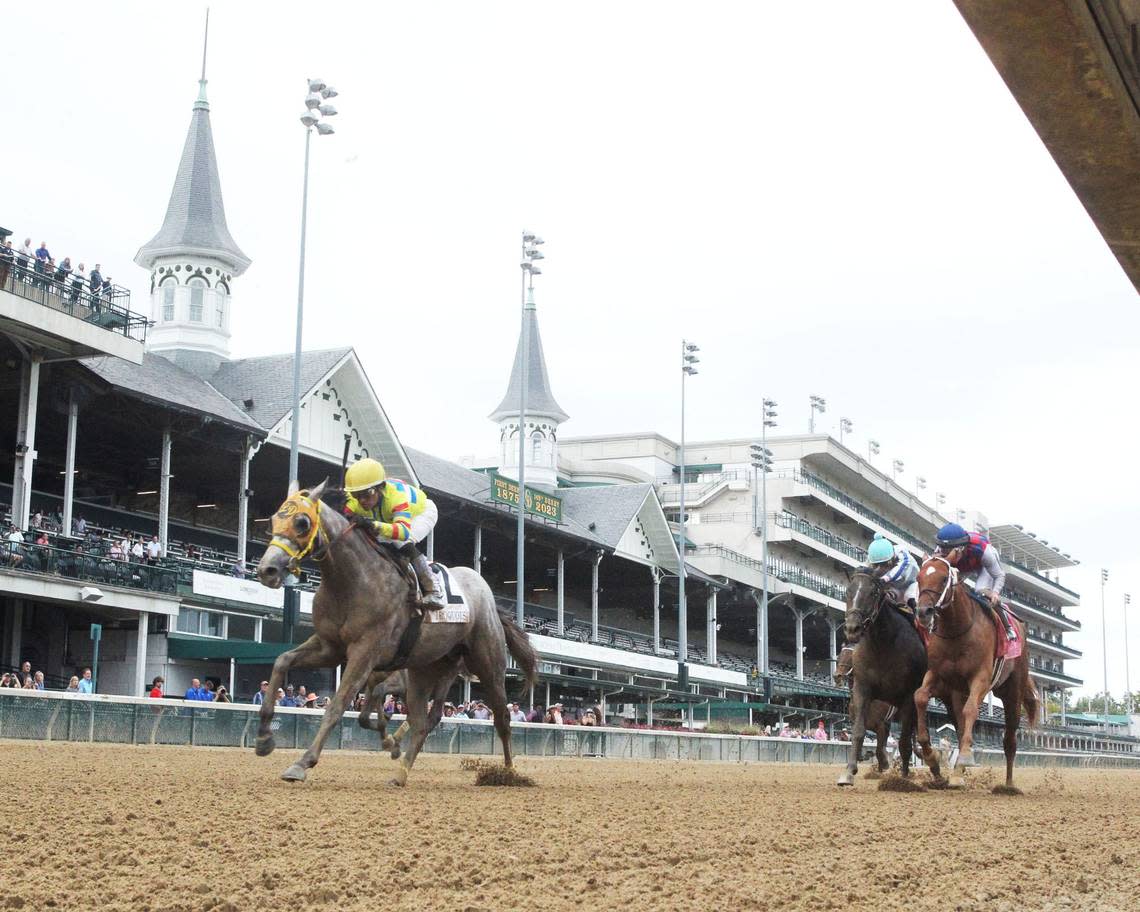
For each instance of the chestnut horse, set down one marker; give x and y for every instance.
(960, 657)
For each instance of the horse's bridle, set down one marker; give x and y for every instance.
(879, 594)
(283, 527)
(945, 596)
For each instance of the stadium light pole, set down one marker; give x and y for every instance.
(315, 108)
(530, 253)
(769, 414)
(1127, 676)
(818, 404)
(940, 500)
(688, 359)
(845, 427)
(1104, 643)
(919, 485)
(872, 449)
(897, 467)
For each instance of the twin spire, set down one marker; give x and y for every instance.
(195, 222)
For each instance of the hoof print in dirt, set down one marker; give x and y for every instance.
(1006, 790)
(896, 783)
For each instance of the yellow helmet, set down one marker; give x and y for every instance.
(363, 474)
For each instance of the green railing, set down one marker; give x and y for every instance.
(783, 571)
(821, 535)
(851, 503)
(130, 720)
(80, 564)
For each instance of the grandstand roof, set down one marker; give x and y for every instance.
(610, 508)
(267, 381)
(539, 398)
(160, 380)
(195, 216)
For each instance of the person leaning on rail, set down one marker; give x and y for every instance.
(394, 511)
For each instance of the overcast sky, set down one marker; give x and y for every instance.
(839, 199)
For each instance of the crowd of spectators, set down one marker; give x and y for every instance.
(26, 679)
(38, 268)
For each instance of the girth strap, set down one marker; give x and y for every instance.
(408, 640)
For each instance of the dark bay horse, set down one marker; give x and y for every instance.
(361, 612)
(888, 661)
(878, 716)
(961, 665)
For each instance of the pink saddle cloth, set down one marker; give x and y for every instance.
(1005, 648)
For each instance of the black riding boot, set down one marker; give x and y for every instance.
(430, 597)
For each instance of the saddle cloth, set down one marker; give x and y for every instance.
(457, 610)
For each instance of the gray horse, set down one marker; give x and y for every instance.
(361, 612)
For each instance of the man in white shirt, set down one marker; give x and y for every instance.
(517, 715)
(15, 547)
(153, 549)
(137, 550)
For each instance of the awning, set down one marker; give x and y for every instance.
(207, 649)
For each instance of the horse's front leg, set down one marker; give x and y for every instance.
(361, 661)
(858, 711)
(970, 709)
(921, 700)
(313, 653)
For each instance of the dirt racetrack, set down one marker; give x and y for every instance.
(215, 830)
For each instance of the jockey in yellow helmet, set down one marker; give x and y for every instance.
(395, 511)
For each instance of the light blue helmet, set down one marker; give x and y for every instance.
(881, 550)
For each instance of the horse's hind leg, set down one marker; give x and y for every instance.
(906, 736)
(431, 683)
(361, 660)
(313, 653)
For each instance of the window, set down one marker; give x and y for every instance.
(168, 289)
(221, 294)
(535, 447)
(197, 299)
(200, 623)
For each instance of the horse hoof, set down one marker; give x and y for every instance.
(388, 743)
(264, 746)
(395, 752)
(295, 773)
(967, 759)
(845, 779)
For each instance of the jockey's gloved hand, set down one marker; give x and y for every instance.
(358, 520)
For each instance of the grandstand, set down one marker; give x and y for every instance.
(180, 442)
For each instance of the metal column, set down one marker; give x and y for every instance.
(561, 595)
(25, 441)
(69, 463)
(243, 501)
(833, 625)
(164, 493)
(800, 616)
(656, 608)
(140, 654)
(761, 632)
(710, 625)
(598, 555)
(430, 552)
(478, 565)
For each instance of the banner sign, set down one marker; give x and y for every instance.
(503, 490)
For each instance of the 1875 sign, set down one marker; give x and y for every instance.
(506, 491)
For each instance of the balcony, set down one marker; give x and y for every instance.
(782, 570)
(1036, 607)
(833, 493)
(61, 314)
(793, 523)
(1054, 646)
(1037, 578)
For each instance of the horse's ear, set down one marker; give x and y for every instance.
(847, 573)
(316, 492)
(294, 487)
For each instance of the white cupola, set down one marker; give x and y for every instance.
(543, 413)
(193, 260)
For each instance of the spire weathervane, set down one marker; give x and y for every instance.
(202, 82)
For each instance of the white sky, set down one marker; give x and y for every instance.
(842, 200)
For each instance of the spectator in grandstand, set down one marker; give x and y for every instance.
(280, 699)
(117, 551)
(517, 715)
(39, 681)
(8, 680)
(86, 685)
(153, 550)
(25, 670)
(137, 551)
(73, 685)
(481, 711)
(536, 714)
(15, 547)
(448, 710)
(156, 687)
(311, 700)
(289, 699)
(29, 683)
(198, 692)
(222, 695)
(237, 570)
(302, 692)
(389, 704)
(589, 717)
(96, 280)
(7, 256)
(79, 525)
(820, 734)
(62, 272)
(191, 552)
(259, 697)
(37, 519)
(24, 257)
(461, 712)
(211, 688)
(554, 715)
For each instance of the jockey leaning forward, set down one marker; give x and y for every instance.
(971, 552)
(394, 511)
(897, 569)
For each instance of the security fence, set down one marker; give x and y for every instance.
(46, 716)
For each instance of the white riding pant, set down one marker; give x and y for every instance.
(984, 581)
(422, 525)
(908, 594)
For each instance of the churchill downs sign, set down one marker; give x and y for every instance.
(503, 490)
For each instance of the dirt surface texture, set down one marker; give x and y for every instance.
(215, 830)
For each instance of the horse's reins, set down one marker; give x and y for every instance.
(943, 597)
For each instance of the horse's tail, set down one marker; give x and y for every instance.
(1031, 700)
(521, 651)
